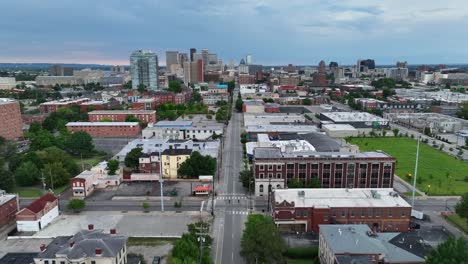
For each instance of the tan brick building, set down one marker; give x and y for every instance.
(147, 116)
(10, 119)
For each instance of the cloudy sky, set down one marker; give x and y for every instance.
(274, 31)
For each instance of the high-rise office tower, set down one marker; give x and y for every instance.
(322, 68)
(182, 58)
(248, 59)
(172, 57)
(205, 56)
(192, 51)
(144, 69)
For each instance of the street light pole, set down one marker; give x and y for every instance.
(415, 172)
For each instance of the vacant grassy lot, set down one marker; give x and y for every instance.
(438, 173)
(28, 192)
(458, 221)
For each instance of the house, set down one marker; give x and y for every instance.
(171, 160)
(359, 244)
(96, 178)
(38, 214)
(87, 246)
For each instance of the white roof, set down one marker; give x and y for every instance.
(6, 101)
(6, 197)
(358, 197)
(281, 128)
(128, 112)
(353, 117)
(65, 101)
(338, 127)
(102, 124)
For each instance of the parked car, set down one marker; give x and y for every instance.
(156, 260)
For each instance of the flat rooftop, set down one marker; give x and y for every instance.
(6, 101)
(338, 127)
(281, 128)
(353, 117)
(6, 197)
(101, 124)
(65, 101)
(121, 112)
(173, 124)
(330, 198)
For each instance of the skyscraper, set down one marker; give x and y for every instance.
(248, 59)
(172, 57)
(192, 51)
(322, 67)
(144, 69)
(205, 56)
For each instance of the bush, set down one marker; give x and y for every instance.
(146, 206)
(76, 204)
(302, 253)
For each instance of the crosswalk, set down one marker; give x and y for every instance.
(237, 212)
(231, 198)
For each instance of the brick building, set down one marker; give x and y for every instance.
(146, 116)
(52, 106)
(145, 104)
(106, 129)
(38, 214)
(149, 163)
(99, 105)
(9, 206)
(10, 116)
(328, 169)
(382, 209)
(246, 79)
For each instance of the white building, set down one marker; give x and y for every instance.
(182, 130)
(96, 178)
(38, 214)
(7, 83)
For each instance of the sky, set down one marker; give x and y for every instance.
(274, 32)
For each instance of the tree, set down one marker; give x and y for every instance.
(239, 104)
(76, 204)
(132, 160)
(131, 118)
(246, 177)
(55, 174)
(7, 181)
(466, 142)
(80, 143)
(146, 206)
(112, 166)
(174, 86)
(307, 101)
(396, 131)
(106, 119)
(427, 131)
(196, 165)
(27, 174)
(196, 97)
(141, 88)
(261, 241)
(462, 206)
(452, 251)
(186, 250)
(41, 140)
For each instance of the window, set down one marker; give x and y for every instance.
(333, 214)
(325, 218)
(386, 174)
(403, 213)
(390, 212)
(302, 166)
(270, 167)
(46, 262)
(339, 166)
(375, 175)
(387, 166)
(314, 166)
(261, 188)
(362, 166)
(278, 167)
(261, 175)
(93, 262)
(290, 166)
(289, 175)
(375, 166)
(302, 175)
(363, 175)
(270, 175)
(53, 261)
(338, 175)
(261, 167)
(363, 213)
(278, 175)
(351, 166)
(369, 212)
(62, 262)
(352, 213)
(326, 175)
(326, 166)
(377, 212)
(314, 175)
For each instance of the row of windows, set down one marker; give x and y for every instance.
(369, 212)
(327, 166)
(325, 175)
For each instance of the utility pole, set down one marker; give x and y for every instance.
(415, 172)
(201, 235)
(161, 180)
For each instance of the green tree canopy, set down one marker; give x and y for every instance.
(112, 166)
(141, 88)
(132, 159)
(307, 101)
(186, 250)
(174, 86)
(41, 140)
(27, 174)
(80, 143)
(452, 251)
(76, 204)
(261, 241)
(55, 174)
(197, 165)
(239, 104)
(383, 82)
(131, 118)
(462, 206)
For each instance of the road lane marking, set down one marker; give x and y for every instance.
(201, 207)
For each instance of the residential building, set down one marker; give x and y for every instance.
(85, 183)
(10, 116)
(99, 105)
(106, 129)
(87, 246)
(277, 167)
(355, 243)
(60, 80)
(246, 79)
(38, 214)
(7, 83)
(145, 104)
(182, 130)
(145, 116)
(52, 106)
(218, 89)
(382, 209)
(149, 163)
(172, 159)
(144, 69)
(9, 206)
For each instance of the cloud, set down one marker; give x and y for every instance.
(274, 31)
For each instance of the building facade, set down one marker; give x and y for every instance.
(52, 106)
(10, 116)
(144, 69)
(106, 129)
(97, 177)
(382, 209)
(171, 161)
(146, 116)
(182, 130)
(9, 206)
(276, 169)
(38, 214)
(7, 83)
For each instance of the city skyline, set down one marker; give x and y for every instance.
(273, 32)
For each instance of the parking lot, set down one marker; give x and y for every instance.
(181, 189)
(21, 245)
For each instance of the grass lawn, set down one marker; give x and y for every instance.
(61, 189)
(149, 241)
(438, 173)
(458, 221)
(28, 192)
